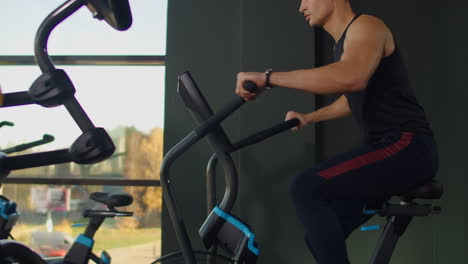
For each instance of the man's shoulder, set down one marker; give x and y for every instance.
(369, 25)
(369, 22)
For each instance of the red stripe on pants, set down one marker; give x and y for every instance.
(368, 158)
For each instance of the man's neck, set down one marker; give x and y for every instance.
(338, 20)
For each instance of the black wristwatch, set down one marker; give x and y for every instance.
(268, 73)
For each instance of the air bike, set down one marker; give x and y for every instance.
(220, 229)
(54, 88)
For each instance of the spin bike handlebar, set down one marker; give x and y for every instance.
(116, 13)
(90, 147)
(34, 160)
(8, 164)
(54, 88)
(265, 134)
(53, 77)
(232, 106)
(6, 123)
(18, 98)
(46, 138)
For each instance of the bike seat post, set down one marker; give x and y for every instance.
(394, 228)
(81, 250)
(93, 225)
(399, 216)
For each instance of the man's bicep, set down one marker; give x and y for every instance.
(364, 47)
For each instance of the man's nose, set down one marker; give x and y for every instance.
(302, 7)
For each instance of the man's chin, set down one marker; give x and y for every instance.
(315, 25)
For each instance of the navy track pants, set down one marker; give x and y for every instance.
(330, 197)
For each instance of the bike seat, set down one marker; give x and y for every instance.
(430, 190)
(112, 200)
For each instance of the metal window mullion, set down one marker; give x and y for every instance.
(98, 60)
(82, 181)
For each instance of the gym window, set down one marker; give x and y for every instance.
(119, 79)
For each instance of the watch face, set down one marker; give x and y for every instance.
(267, 83)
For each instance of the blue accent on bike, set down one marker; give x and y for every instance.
(369, 212)
(78, 225)
(84, 240)
(243, 228)
(7, 208)
(3, 209)
(370, 228)
(105, 259)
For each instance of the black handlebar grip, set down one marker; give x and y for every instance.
(6, 123)
(250, 86)
(292, 123)
(285, 125)
(46, 138)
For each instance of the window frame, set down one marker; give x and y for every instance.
(84, 60)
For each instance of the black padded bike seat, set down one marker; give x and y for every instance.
(430, 190)
(112, 200)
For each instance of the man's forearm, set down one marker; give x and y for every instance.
(337, 109)
(334, 78)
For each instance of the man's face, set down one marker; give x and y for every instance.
(316, 12)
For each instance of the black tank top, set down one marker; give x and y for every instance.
(388, 102)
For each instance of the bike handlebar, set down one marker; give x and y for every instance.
(265, 134)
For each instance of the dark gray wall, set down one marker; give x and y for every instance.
(215, 40)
